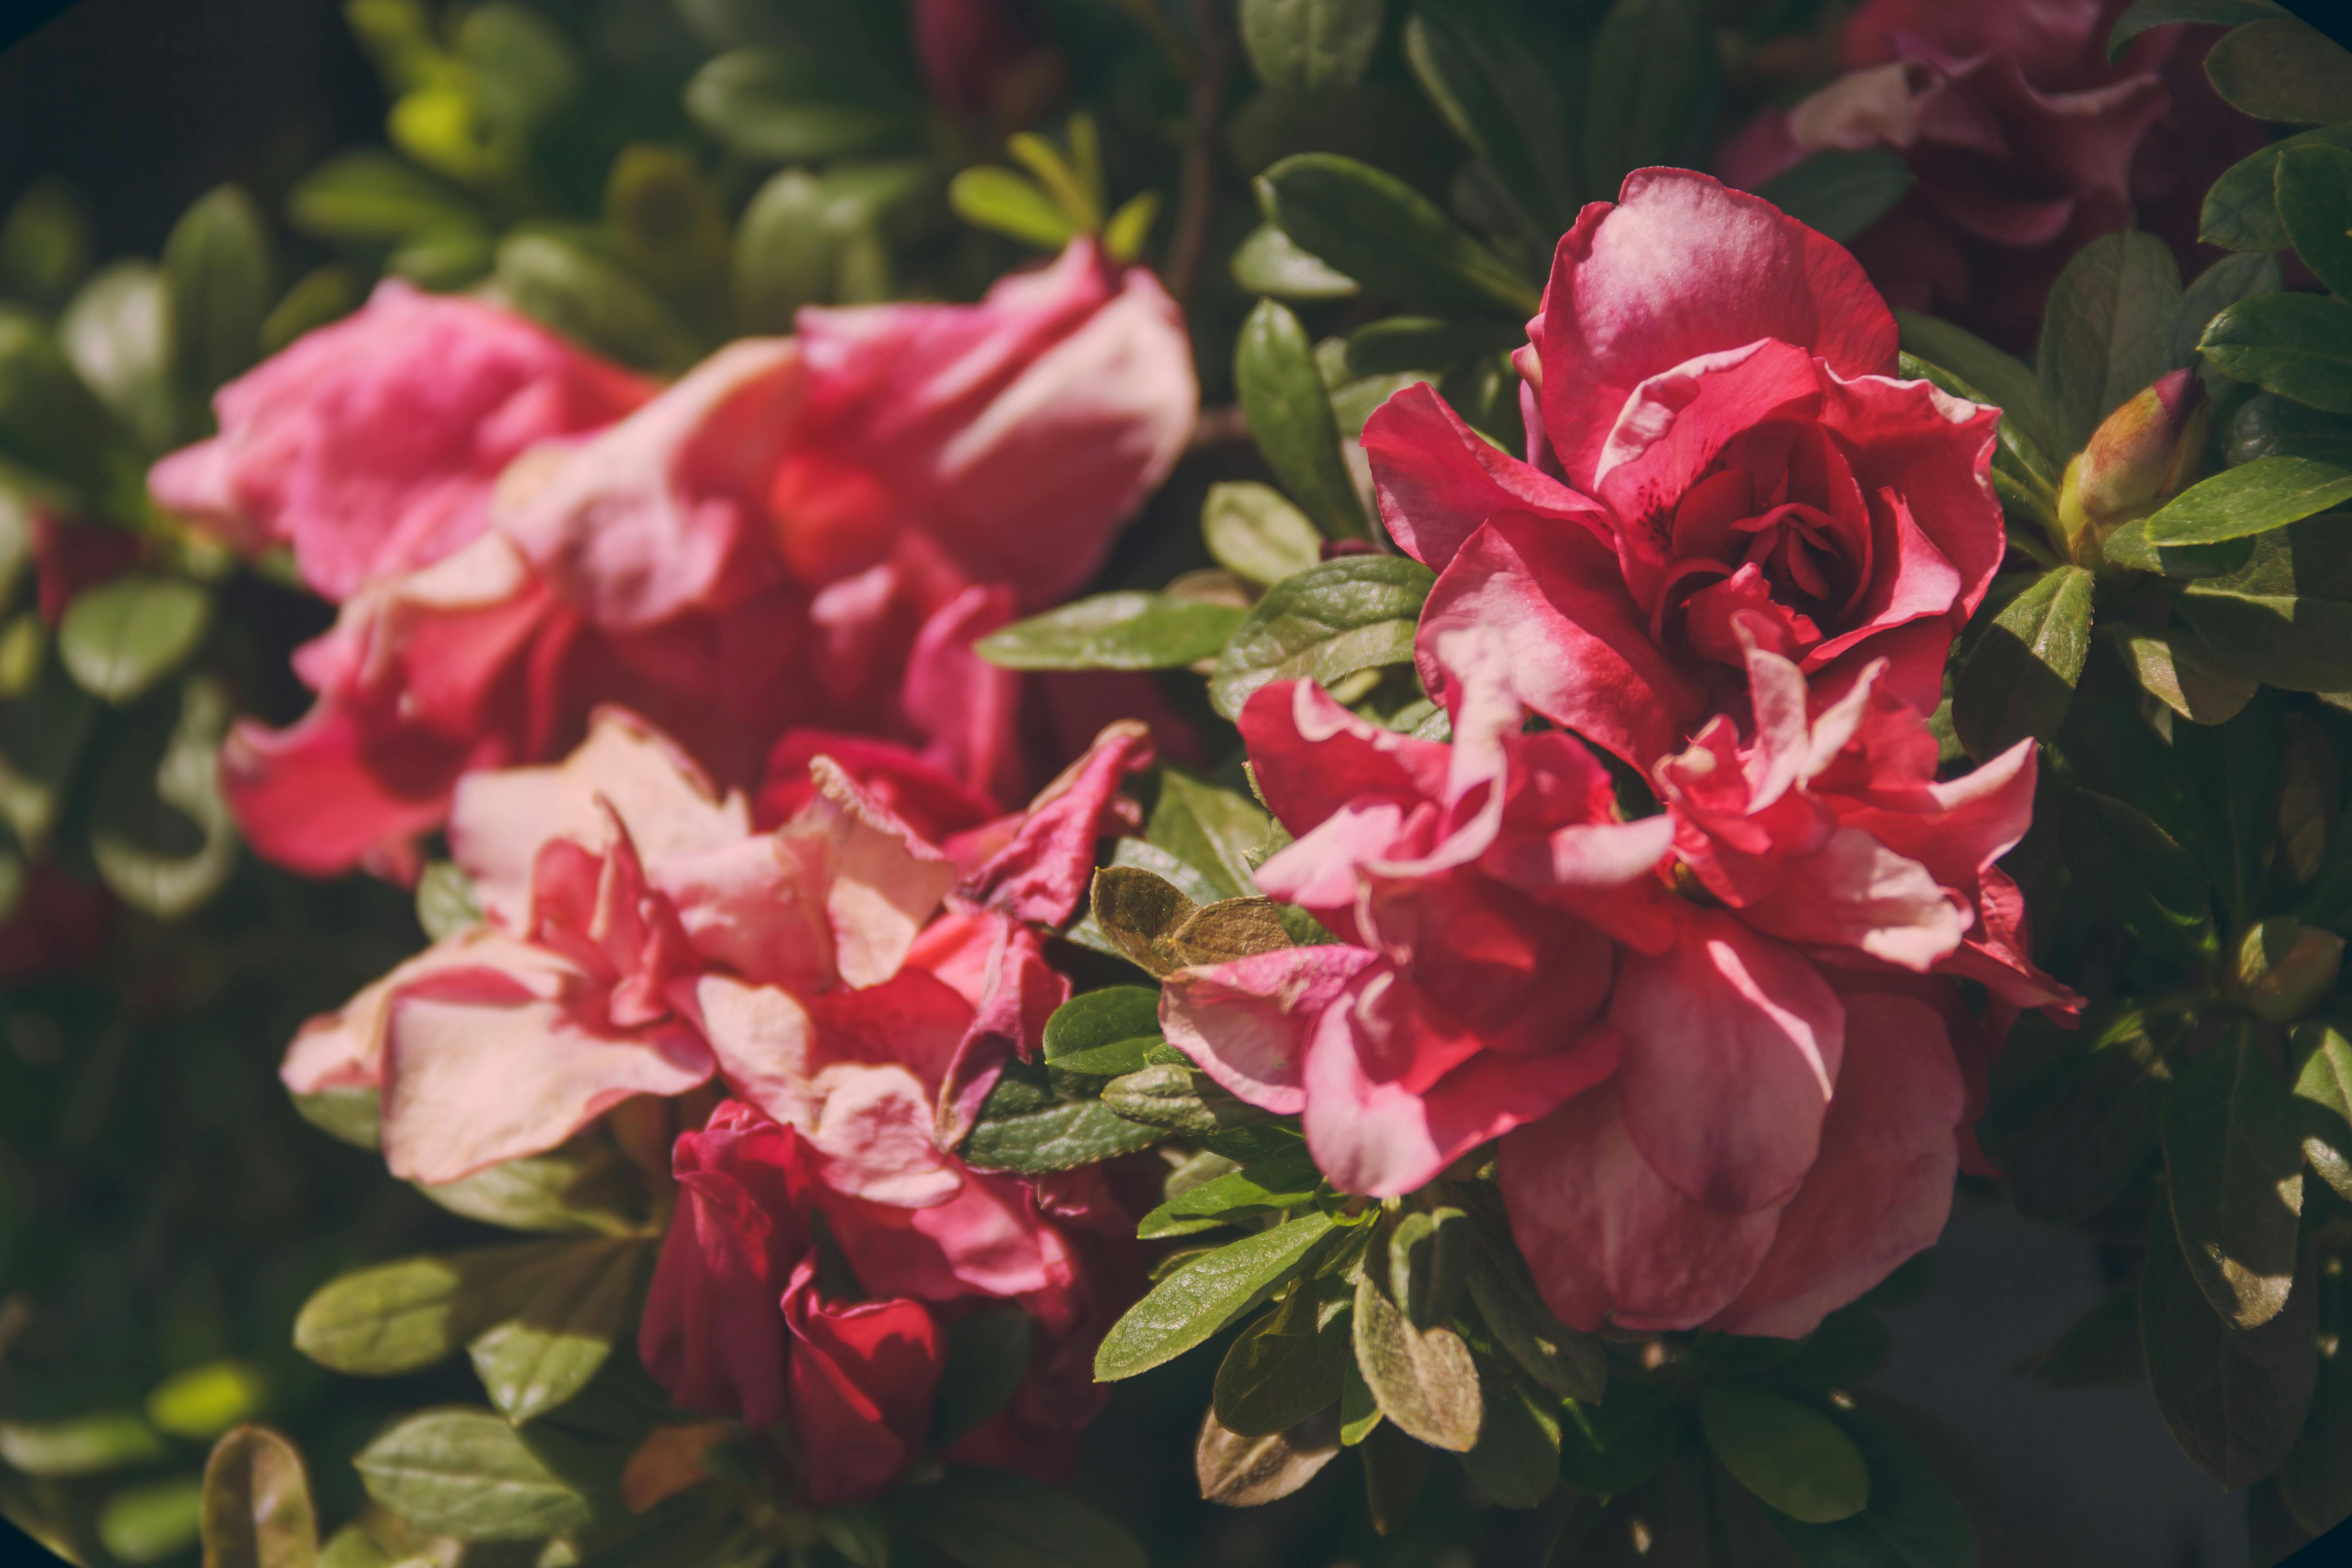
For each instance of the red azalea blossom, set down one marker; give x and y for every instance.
(1718, 455)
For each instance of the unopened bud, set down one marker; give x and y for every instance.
(2140, 457)
(2285, 967)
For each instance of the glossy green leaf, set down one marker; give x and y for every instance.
(1310, 45)
(1499, 89)
(2023, 476)
(987, 1356)
(1290, 418)
(2285, 618)
(2323, 1108)
(405, 1316)
(1650, 66)
(2234, 1400)
(257, 1508)
(1286, 1366)
(150, 1522)
(1390, 237)
(2315, 203)
(2019, 678)
(2177, 669)
(1178, 1098)
(591, 300)
(1515, 1462)
(2214, 290)
(1793, 1458)
(1840, 193)
(566, 1320)
(82, 1446)
(2282, 69)
(221, 271)
(1568, 1363)
(778, 106)
(2268, 426)
(1913, 1520)
(2147, 13)
(375, 199)
(200, 1403)
(1122, 631)
(1424, 1379)
(469, 1474)
(121, 638)
(117, 330)
(1253, 532)
(2297, 345)
(1261, 1189)
(1024, 1127)
(2255, 498)
(1268, 262)
(1103, 1034)
(1356, 612)
(2074, 1113)
(2240, 212)
(2106, 332)
(2234, 1167)
(1203, 1296)
(1005, 202)
(996, 1518)
(1214, 830)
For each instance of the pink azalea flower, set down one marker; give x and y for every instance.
(1718, 454)
(800, 532)
(2027, 141)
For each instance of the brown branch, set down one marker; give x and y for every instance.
(1196, 196)
(1224, 427)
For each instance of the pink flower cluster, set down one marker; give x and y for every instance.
(1721, 1044)
(801, 531)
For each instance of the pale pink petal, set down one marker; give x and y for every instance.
(1246, 1022)
(874, 1137)
(881, 883)
(1856, 892)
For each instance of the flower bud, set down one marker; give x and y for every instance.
(2140, 457)
(2285, 967)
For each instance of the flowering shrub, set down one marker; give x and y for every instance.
(1671, 753)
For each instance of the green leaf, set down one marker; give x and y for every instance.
(1253, 532)
(1212, 830)
(117, 330)
(1516, 1460)
(784, 252)
(1569, 1364)
(1286, 1366)
(591, 301)
(1244, 1472)
(2268, 426)
(1101, 1034)
(445, 261)
(2147, 13)
(2322, 1094)
(1123, 630)
(995, 1519)
(1310, 45)
(1291, 420)
(1428, 1266)
(1793, 1458)
(1005, 202)
(468, 1474)
(1358, 612)
(84, 1445)
(200, 1403)
(2317, 1479)
(43, 733)
(49, 421)
(987, 1356)
(1267, 262)
(406, 1315)
(1424, 1378)
(2234, 1165)
(1129, 230)
(2018, 679)
(2105, 331)
(2285, 616)
(2297, 345)
(1650, 66)
(151, 1522)
(2255, 498)
(1264, 1188)
(1913, 1520)
(1421, 347)
(1390, 237)
(322, 295)
(2177, 669)
(1177, 1098)
(46, 243)
(2152, 885)
(373, 198)
(2282, 69)
(222, 273)
(1609, 1449)
(121, 638)
(2213, 290)
(521, 71)
(2074, 1113)
(2240, 212)
(444, 901)
(354, 1116)
(2098, 1349)
(1025, 1128)
(2315, 203)
(1498, 88)
(160, 832)
(257, 1509)
(2233, 1400)
(1840, 193)
(776, 106)
(565, 1322)
(1205, 1295)
(1359, 1411)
